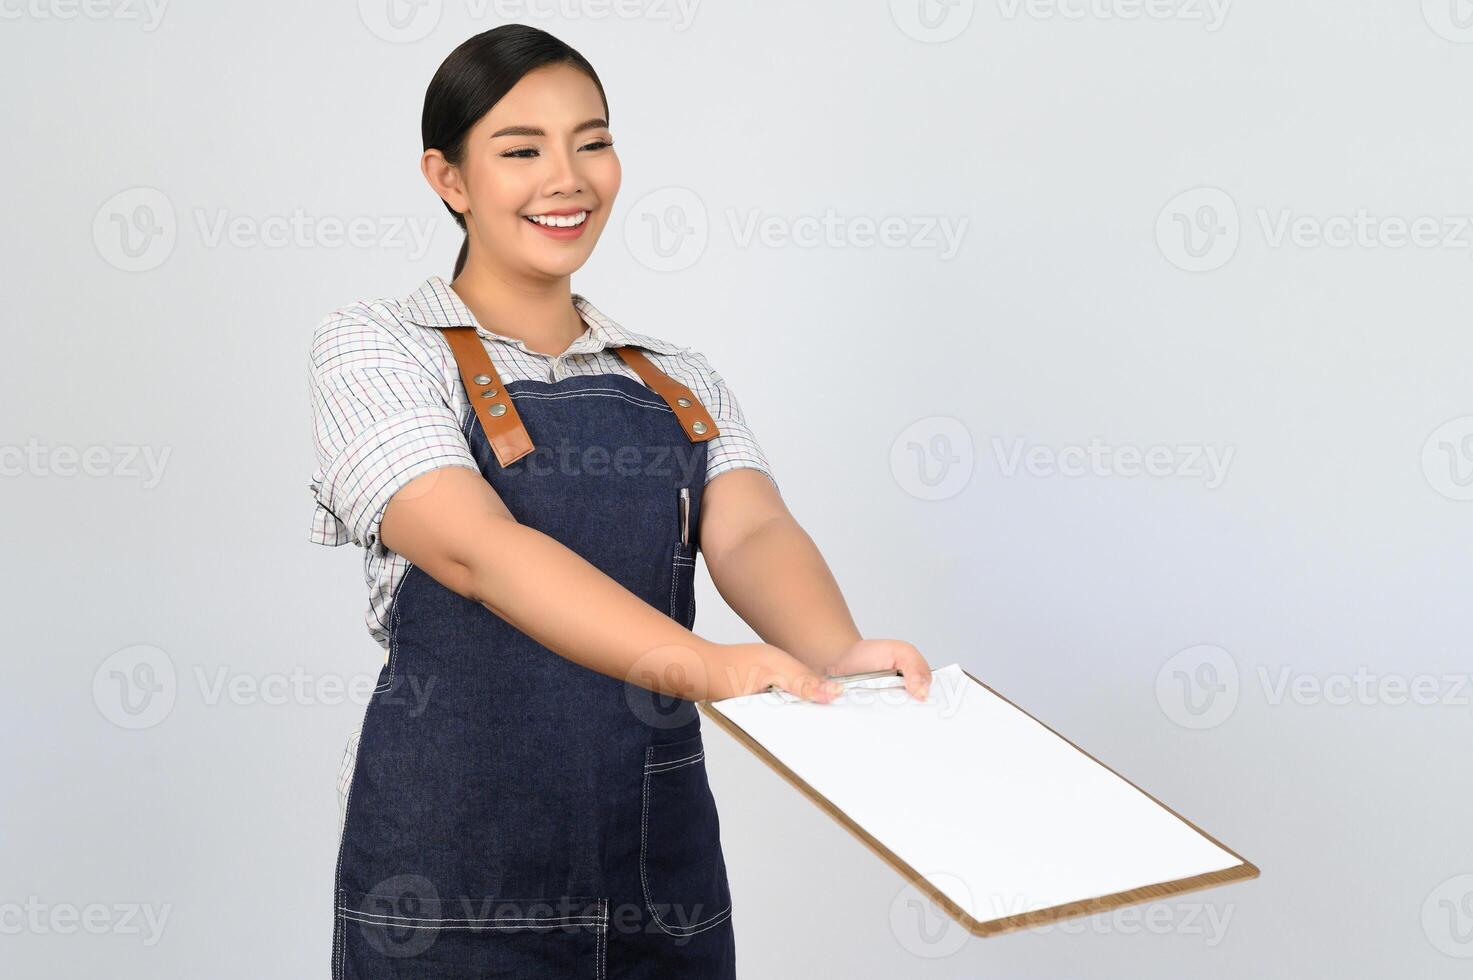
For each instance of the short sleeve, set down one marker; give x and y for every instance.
(381, 415)
(735, 446)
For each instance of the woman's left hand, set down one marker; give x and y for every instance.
(867, 655)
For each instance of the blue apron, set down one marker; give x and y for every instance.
(513, 813)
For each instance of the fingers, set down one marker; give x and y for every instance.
(909, 662)
(809, 686)
(792, 676)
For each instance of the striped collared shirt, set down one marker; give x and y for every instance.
(387, 406)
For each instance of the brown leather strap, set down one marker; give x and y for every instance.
(505, 431)
(687, 407)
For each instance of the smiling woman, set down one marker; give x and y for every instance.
(500, 826)
(490, 167)
(533, 485)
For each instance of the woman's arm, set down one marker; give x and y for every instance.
(452, 524)
(769, 570)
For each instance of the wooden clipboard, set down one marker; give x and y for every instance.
(989, 925)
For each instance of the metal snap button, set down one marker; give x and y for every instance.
(488, 393)
(698, 426)
(498, 409)
(683, 402)
(482, 379)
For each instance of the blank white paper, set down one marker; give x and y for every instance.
(997, 812)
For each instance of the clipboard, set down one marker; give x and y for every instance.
(997, 818)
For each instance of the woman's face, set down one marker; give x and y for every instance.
(544, 150)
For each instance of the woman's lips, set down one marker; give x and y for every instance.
(561, 234)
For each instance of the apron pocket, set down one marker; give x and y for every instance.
(683, 590)
(412, 935)
(680, 861)
(683, 566)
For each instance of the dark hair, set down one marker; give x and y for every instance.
(475, 77)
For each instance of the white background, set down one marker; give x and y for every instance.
(1150, 205)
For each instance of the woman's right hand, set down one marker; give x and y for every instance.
(734, 669)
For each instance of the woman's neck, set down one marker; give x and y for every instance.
(544, 320)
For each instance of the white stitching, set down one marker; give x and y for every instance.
(666, 767)
(592, 392)
(394, 633)
(644, 826)
(679, 563)
(516, 388)
(704, 924)
(490, 924)
(601, 942)
(498, 918)
(685, 758)
(586, 900)
(675, 572)
(384, 918)
(340, 931)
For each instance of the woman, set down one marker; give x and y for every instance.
(530, 483)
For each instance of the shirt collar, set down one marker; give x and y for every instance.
(435, 304)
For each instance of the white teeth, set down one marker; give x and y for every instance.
(559, 220)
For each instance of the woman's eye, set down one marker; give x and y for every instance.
(529, 152)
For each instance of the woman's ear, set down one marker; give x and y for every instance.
(444, 179)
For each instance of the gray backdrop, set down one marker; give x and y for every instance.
(1115, 349)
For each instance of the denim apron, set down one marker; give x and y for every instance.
(513, 813)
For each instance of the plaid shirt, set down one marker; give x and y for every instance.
(387, 406)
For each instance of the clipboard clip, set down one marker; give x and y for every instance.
(844, 680)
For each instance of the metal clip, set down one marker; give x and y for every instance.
(684, 516)
(844, 680)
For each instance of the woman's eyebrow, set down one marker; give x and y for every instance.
(534, 131)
